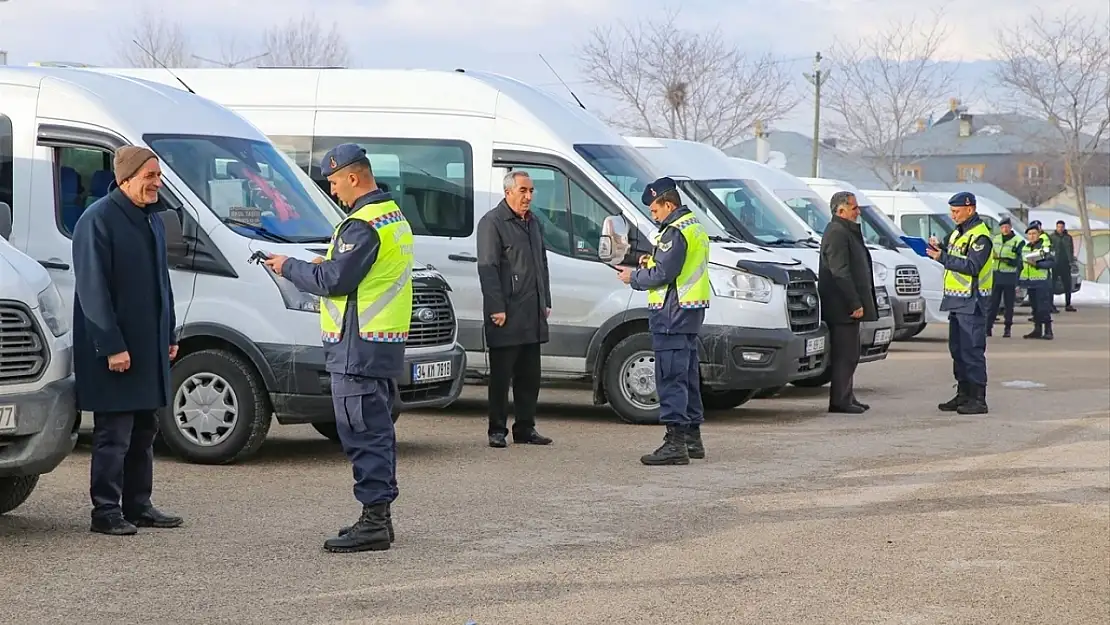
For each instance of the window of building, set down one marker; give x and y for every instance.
(571, 217)
(431, 180)
(1031, 173)
(7, 163)
(82, 175)
(969, 173)
(912, 171)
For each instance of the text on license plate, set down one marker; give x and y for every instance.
(815, 346)
(916, 306)
(7, 418)
(882, 337)
(427, 371)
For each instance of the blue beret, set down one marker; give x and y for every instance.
(1036, 223)
(963, 198)
(339, 157)
(657, 188)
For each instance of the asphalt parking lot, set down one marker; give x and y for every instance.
(901, 516)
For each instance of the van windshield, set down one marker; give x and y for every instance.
(623, 167)
(251, 186)
(755, 209)
(807, 205)
(876, 227)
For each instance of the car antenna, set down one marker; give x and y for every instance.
(151, 55)
(564, 83)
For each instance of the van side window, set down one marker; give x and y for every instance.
(571, 217)
(82, 176)
(914, 225)
(431, 180)
(7, 163)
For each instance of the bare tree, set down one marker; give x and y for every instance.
(158, 35)
(232, 52)
(304, 42)
(880, 85)
(1059, 69)
(673, 83)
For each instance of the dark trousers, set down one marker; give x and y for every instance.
(1040, 300)
(121, 473)
(843, 360)
(1065, 280)
(678, 383)
(516, 367)
(967, 343)
(366, 432)
(1002, 294)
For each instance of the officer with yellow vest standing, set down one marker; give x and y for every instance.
(968, 279)
(1037, 259)
(365, 288)
(676, 279)
(1007, 264)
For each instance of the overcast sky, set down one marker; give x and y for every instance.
(507, 36)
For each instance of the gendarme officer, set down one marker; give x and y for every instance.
(365, 288)
(968, 280)
(676, 279)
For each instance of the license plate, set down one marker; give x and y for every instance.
(917, 306)
(7, 418)
(428, 371)
(882, 337)
(815, 346)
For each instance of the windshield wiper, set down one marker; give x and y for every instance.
(720, 239)
(779, 242)
(277, 238)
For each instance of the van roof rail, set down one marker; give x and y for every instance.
(301, 67)
(58, 64)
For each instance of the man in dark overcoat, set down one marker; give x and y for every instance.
(124, 330)
(516, 296)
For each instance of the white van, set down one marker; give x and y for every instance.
(38, 409)
(878, 229)
(250, 344)
(443, 141)
(919, 214)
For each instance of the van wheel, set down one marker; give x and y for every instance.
(727, 400)
(220, 411)
(330, 431)
(768, 393)
(15, 490)
(629, 379)
(815, 382)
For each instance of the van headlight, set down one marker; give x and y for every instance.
(881, 272)
(739, 284)
(294, 298)
(53, 310)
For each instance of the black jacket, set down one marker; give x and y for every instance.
(844, 276)
(512, 270)
(1063, 247)
(123, 301)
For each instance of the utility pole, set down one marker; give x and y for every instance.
(817, 78)
(3, 52)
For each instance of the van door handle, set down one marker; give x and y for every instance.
(54, 264)
(467, 258)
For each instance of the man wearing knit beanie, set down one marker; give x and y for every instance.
(124, 331)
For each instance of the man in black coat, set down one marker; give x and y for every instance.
(516, 295)
(847, 288)
(124, 330)
(1063, 247)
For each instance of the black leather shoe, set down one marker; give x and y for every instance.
(152, 517)
(531, 437)
(498, 441)
(370, 533)
(856, 402)
(114, 525)
(853, 409)
(1070, 309)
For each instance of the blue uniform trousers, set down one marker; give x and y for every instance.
(1002, 295)
(967, 342)
(1040, 300)
(678, 382)
(122, 466)
(366, 432)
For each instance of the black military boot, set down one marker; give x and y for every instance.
(370, 533)
(388, 524)
(976, 402)
(1036, 333)
(952, 404)
(1047, 331)
(1006, 333)
(694, 447)
(672, 451)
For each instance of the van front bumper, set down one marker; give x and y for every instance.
(46, 423)
(875, 338)
(755, 358)
(305, 395)
(909, 311)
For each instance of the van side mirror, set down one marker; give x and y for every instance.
(613, 245)
(175, 236)
(5, 221)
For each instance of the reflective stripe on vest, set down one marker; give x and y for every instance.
(1005, 249)
(384, 296)
(1032, 272)
(693, 281)
(958, 284)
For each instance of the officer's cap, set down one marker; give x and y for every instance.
(1033, 228)
(1005, 222)
(1036, 223)
(657, 188)
(341, 156)
(963, 198)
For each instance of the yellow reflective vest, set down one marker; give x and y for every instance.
(384, 296)
(963, 286)
(1008, 250)
(692, 283)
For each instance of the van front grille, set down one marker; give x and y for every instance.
(433, 319)
(802, 302)
(907, 280)
(23, 354)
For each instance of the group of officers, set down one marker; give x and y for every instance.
(365, 287)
